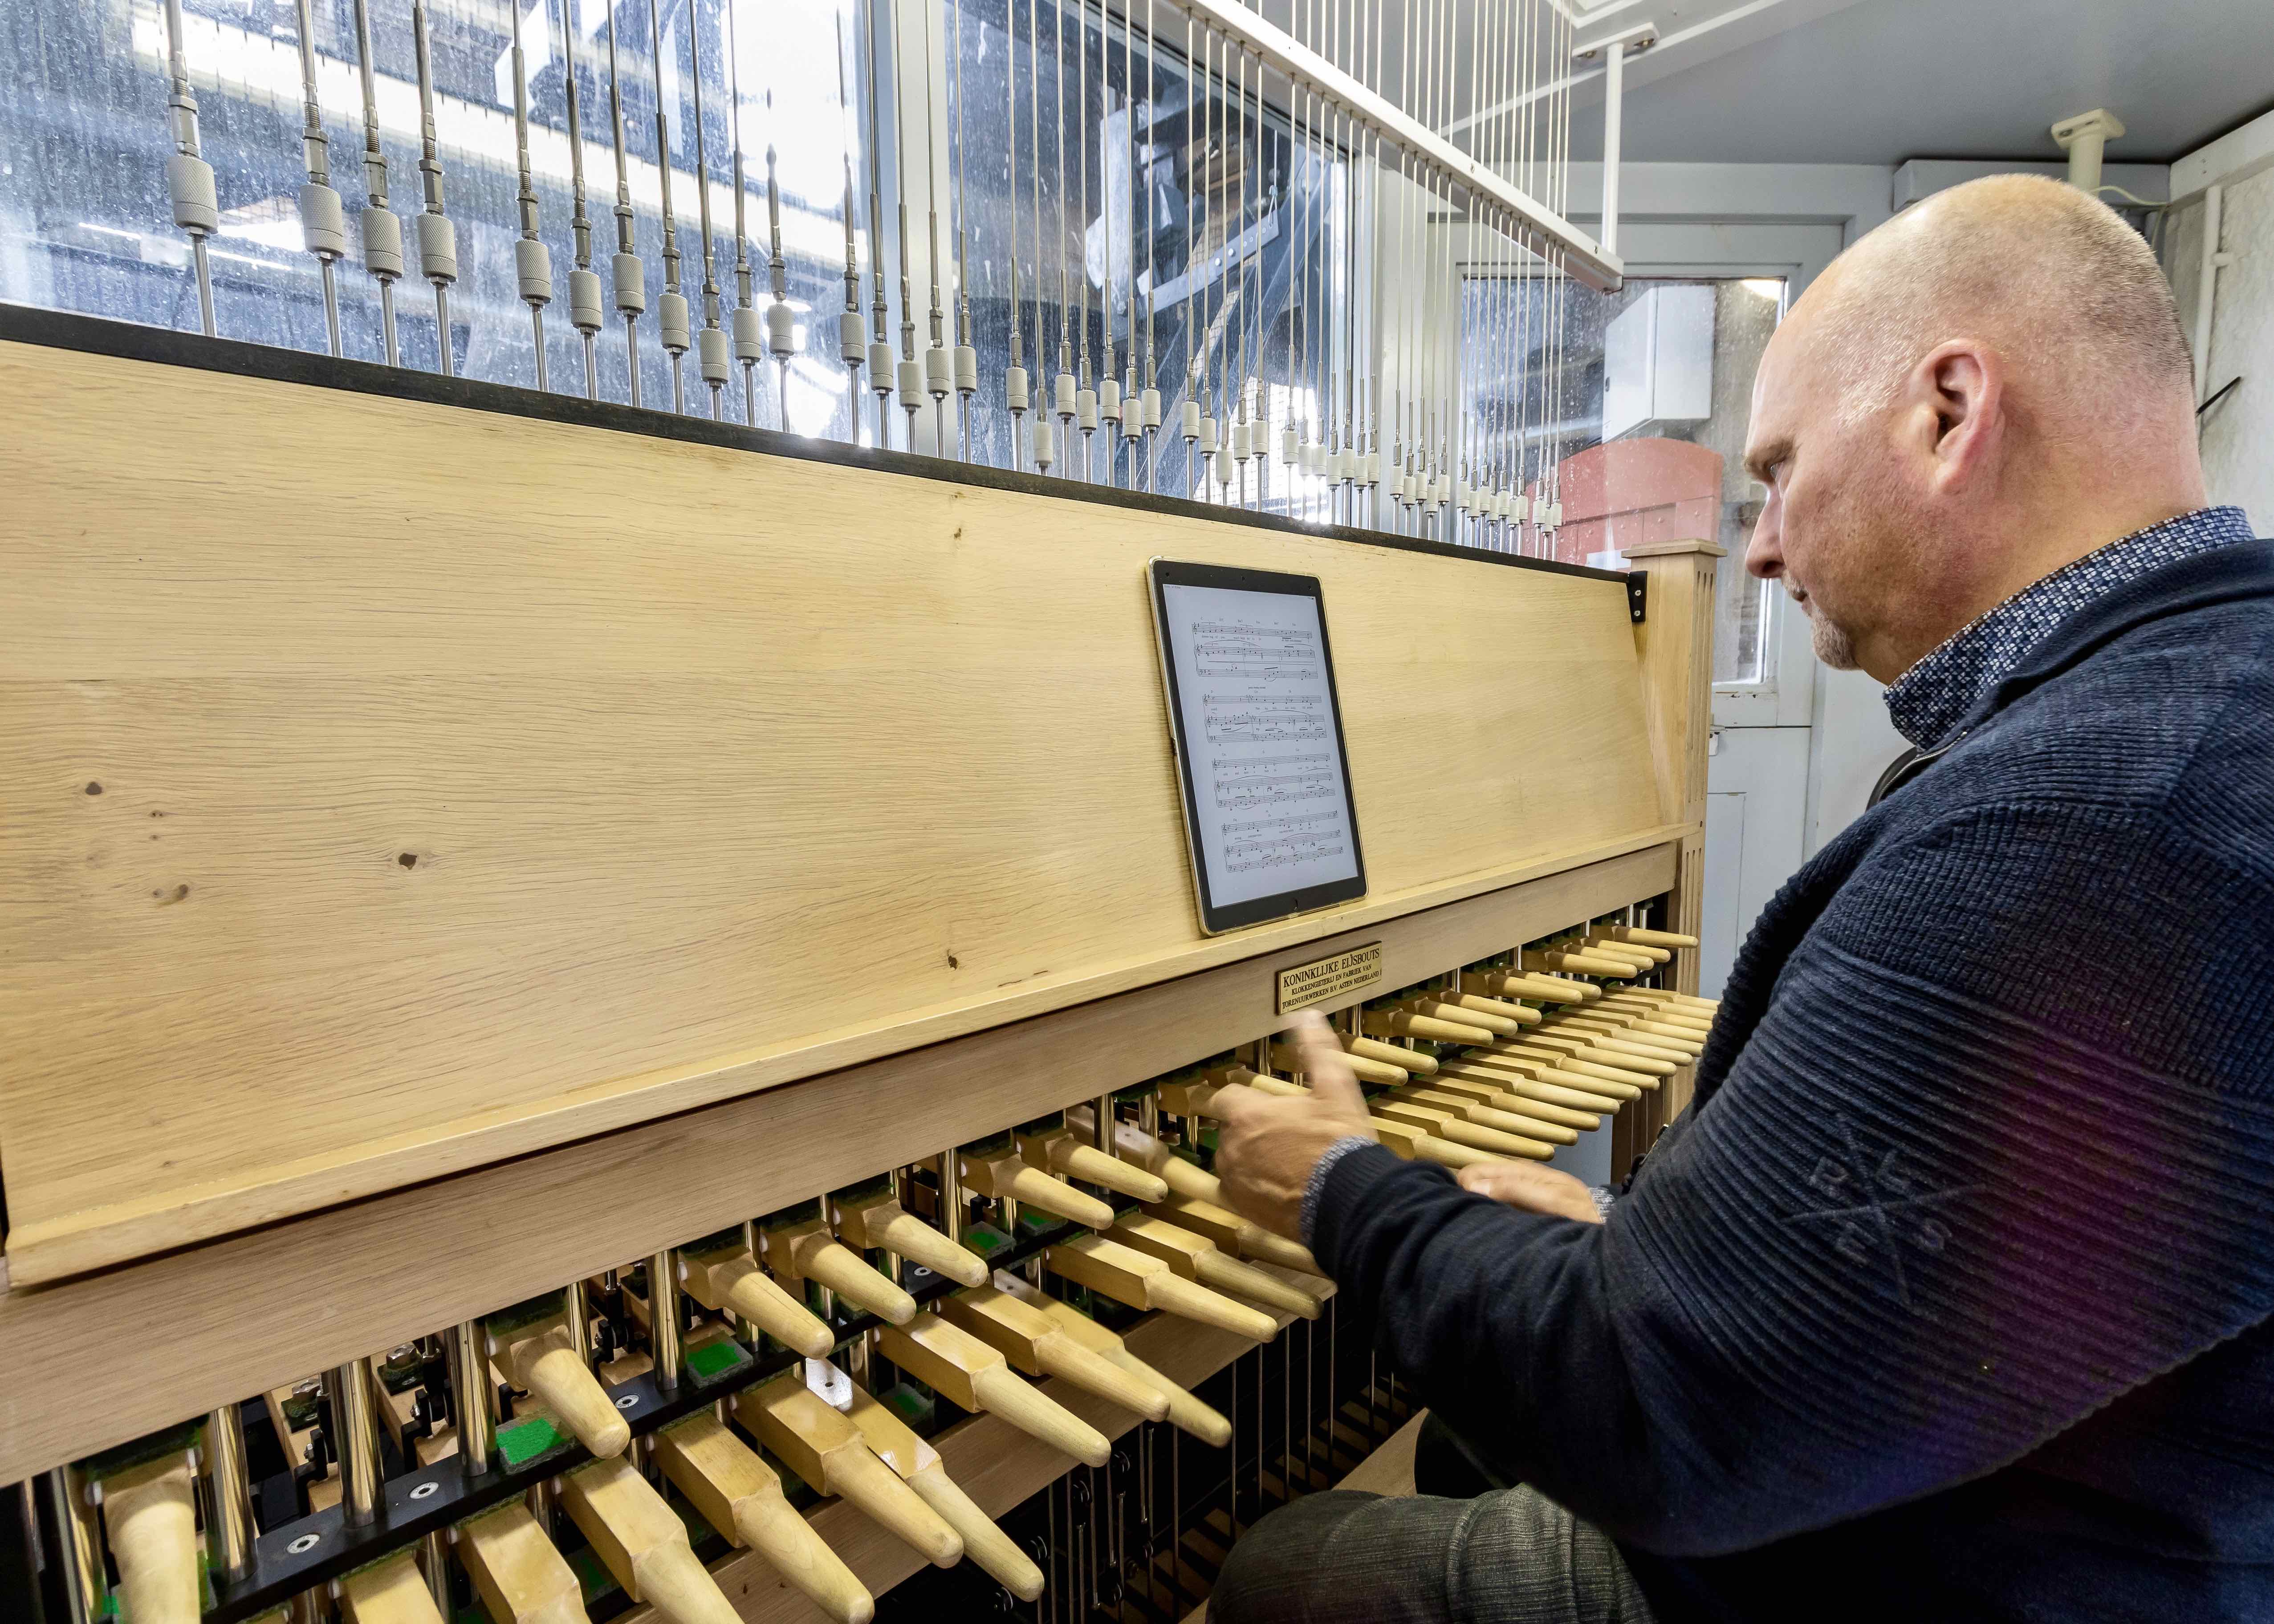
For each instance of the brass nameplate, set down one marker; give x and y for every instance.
(1325, 981)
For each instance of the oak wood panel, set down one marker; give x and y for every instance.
(470, 784)
(998, 1465)
(237, 1316)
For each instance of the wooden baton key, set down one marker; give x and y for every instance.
(920, 1467)
(803, 1249)
(640, 1541)
(533, 1344)
(1187, 1413)
(995, 1168)
(519, 1576)
(1388, 1053)
(741, 1497)
(1418, 1145)
(970, 1373)
(1488, 1116)
(872, 1219)
(1036, 1346)
(1493, 1093)
(1366, 1066)
(1141, 1149)
(1054, 1148)
(719, 1272)
(1398, 1023)
(1195, 1257)
(826, 1450)
(391, 1590)
(1651, 939)
(149, 1512)
(1142, 1281)
(1537, 988)
(1463, 1013)
(1453, 1125)
(1230, 1230)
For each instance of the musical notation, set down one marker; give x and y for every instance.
(1273, 814)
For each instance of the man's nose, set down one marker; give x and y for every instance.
(1765, 551)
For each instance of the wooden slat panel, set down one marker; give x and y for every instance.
(468, 785)
(94, 1361)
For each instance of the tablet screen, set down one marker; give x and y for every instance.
(1257, 730)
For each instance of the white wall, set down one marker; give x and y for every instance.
(2237, 431)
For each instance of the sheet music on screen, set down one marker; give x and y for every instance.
(1272, 812)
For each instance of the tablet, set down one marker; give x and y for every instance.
(1257, 728)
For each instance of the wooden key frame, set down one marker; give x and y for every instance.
(723, 1276)
(643, 1543)
(996, 1169)
(826, 1450)
(873, 1220)
(740, 1495)
(804, 1249)
(971, 1374)
(518, 1573)
(391, 1590)
(1056, 1149)
(920, 1466)
(1037, 1346)
(534, 1345)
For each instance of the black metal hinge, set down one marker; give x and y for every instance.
(1638, 596)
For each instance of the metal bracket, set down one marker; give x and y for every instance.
(1638, 596)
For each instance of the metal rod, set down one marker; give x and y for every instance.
(382, 232)
(229, 1530)
(849, 334)
(671, 313)
(710, 347)
(357, 1436)
(533, 264)
(880, 351)
(747, 345)
(938, 365)
(629, 275)
(663, 1317)
(966, 354)
(583, 285)
(189, 177)
(82, 1569)
(323, 222)
(472, 1401)
(781, 325)
(438, 237)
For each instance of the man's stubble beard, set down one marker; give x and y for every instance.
(1834, 646)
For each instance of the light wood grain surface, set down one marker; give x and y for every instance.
(253, 1312)
(470, 784)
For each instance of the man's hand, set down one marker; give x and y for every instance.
(1530, 1187)
(1268, 1143)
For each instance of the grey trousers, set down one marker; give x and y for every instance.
(1511, 1556)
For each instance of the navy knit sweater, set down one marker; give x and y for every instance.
(1950, 1297)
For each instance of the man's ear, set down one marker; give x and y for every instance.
(1957, 395)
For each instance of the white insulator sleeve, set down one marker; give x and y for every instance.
(1223, 468)
(1243, 440)
(1191, 420)
(1152, 400)
(940, 373)
(851, 342)
(910, 374)
(191, 180)
(880, 366)
(1314, 459)
(438, 248)
(782, 330)
(584, 307)
(1063, 393)
(1045, 441)
(671, 320)
(710, 353)
(1084, 409)
(323, 221)
(532, 263)
(382, 243)
(966, 370)
(1554, 515)
(750, 334)
(1014, 388)
(1208, 435)
(1109, 399)
(631, 283)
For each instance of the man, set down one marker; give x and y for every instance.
(1950, 1296)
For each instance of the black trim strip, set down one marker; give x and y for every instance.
(55, 329)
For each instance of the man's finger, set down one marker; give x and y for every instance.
(1233, 1100)
(1325, 1067)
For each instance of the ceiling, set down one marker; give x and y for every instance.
(1879, 81)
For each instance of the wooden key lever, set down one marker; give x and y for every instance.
(1054, 1148)
(1368, 1064)
(970, 1373)
(1623, 947)
(1388, 1053)
(1503, 1019)
(1415, 1144)
(1143, 1281)
(1484, 1114)
(519, 1576)
(1576, 963)
(530, 1342)
(995, 1168)
(720, 1273)
(1227, 1229)
(1651, 938)
(1036, 1346)
(920, 1467)
(1492, 1092)
(1187, 1413)
(803, 1249)
(1194, 1257)
(872, 1219)
(643, 1543)
(1401, 1023)
(149, 1511)
(1538, 988)
(1141, 1149)
(825, 1449)
(391, 1590)
(740, 1496)
(1451, 1123)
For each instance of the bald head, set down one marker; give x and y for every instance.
(2071, 294)
(1986, 388)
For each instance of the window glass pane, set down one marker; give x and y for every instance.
(1633, 406)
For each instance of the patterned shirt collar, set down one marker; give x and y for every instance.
(1930, 700)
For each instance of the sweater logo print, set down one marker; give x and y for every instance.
(1878, 1208)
